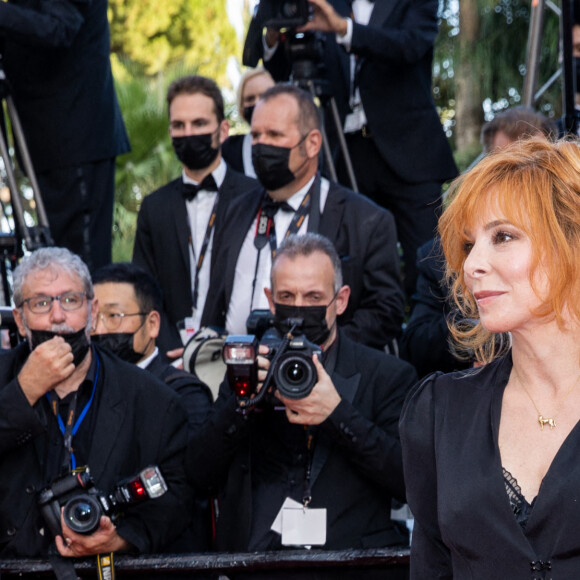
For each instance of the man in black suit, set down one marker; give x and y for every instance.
(337, 448)
(377, 58)
(179, 226)
(56, 58)
(67, 404)
(286, 143)
(128, 324)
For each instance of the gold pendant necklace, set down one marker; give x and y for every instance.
(550, 421)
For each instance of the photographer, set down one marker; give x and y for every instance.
(56, 59)
(377, 59)
(67, 404)
(286, 142)
(337, 446)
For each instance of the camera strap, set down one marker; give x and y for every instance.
(105, 566)
(70, 429)
(203, 250)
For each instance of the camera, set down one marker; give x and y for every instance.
(84, 504)
(291, 371)
(288, 13)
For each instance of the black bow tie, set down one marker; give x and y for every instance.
(270, 207)
(189, 190)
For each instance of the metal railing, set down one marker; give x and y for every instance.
(196, 565)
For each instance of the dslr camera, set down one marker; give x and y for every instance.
(291, 370)
(84, 504)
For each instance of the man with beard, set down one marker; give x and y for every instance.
(179, 226)
(335, 449)
(67, 404)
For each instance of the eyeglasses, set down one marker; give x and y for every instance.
(42, 304)
(113, 320)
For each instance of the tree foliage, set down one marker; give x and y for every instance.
(160, 33)
(480, 55)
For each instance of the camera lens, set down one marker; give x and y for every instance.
(82, 514)
(289, 9)
(295, 375)
(295, 372)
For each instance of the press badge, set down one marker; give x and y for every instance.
(299, 525)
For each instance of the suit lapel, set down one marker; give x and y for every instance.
(381, 11)
(239, 220)
(346, 381)
(178, 210)
(331, 217)
(110, 421)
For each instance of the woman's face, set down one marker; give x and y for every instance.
(497, 273)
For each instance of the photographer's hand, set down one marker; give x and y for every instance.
(325, 18)
(318, 405)
(263, 365)
(49, 364)
(102, 541)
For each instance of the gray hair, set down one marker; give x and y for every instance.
(305, 245)
(52, 258)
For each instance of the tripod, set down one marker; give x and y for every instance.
(14, 227)
(303, 55)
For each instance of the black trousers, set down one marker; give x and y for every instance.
(415, 206)
(79, 203)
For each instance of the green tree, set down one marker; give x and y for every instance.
(160, 33)
(479, 67)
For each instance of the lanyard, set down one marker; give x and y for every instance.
(70, 429)
(310, 436)
(268, 229)
(204, 246)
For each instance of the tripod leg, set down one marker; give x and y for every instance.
(15, 200)
(343, 147)
(29, 169)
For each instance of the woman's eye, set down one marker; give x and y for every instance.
(467, 247)
(500, 237)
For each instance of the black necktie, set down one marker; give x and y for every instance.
(189, 190)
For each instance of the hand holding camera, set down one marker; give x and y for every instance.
(318, 405)
(324, 19)
(102, 541)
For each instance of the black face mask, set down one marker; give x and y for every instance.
(271, 164)
(78, 341)
(247, 113)
(314, 321)
(119, 344)
(195, 151)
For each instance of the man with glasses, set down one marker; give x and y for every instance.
(66, 404)
(286, 142)
(128, 324)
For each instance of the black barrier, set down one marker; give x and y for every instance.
(195, 565)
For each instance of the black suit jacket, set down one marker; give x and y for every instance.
(162, 244)
(56, 58)
(356, 465)
(425, 340)
(395, 54)
(464, 524)
(195, 396)
(365, 238)
(139, 422)
(232, 152)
